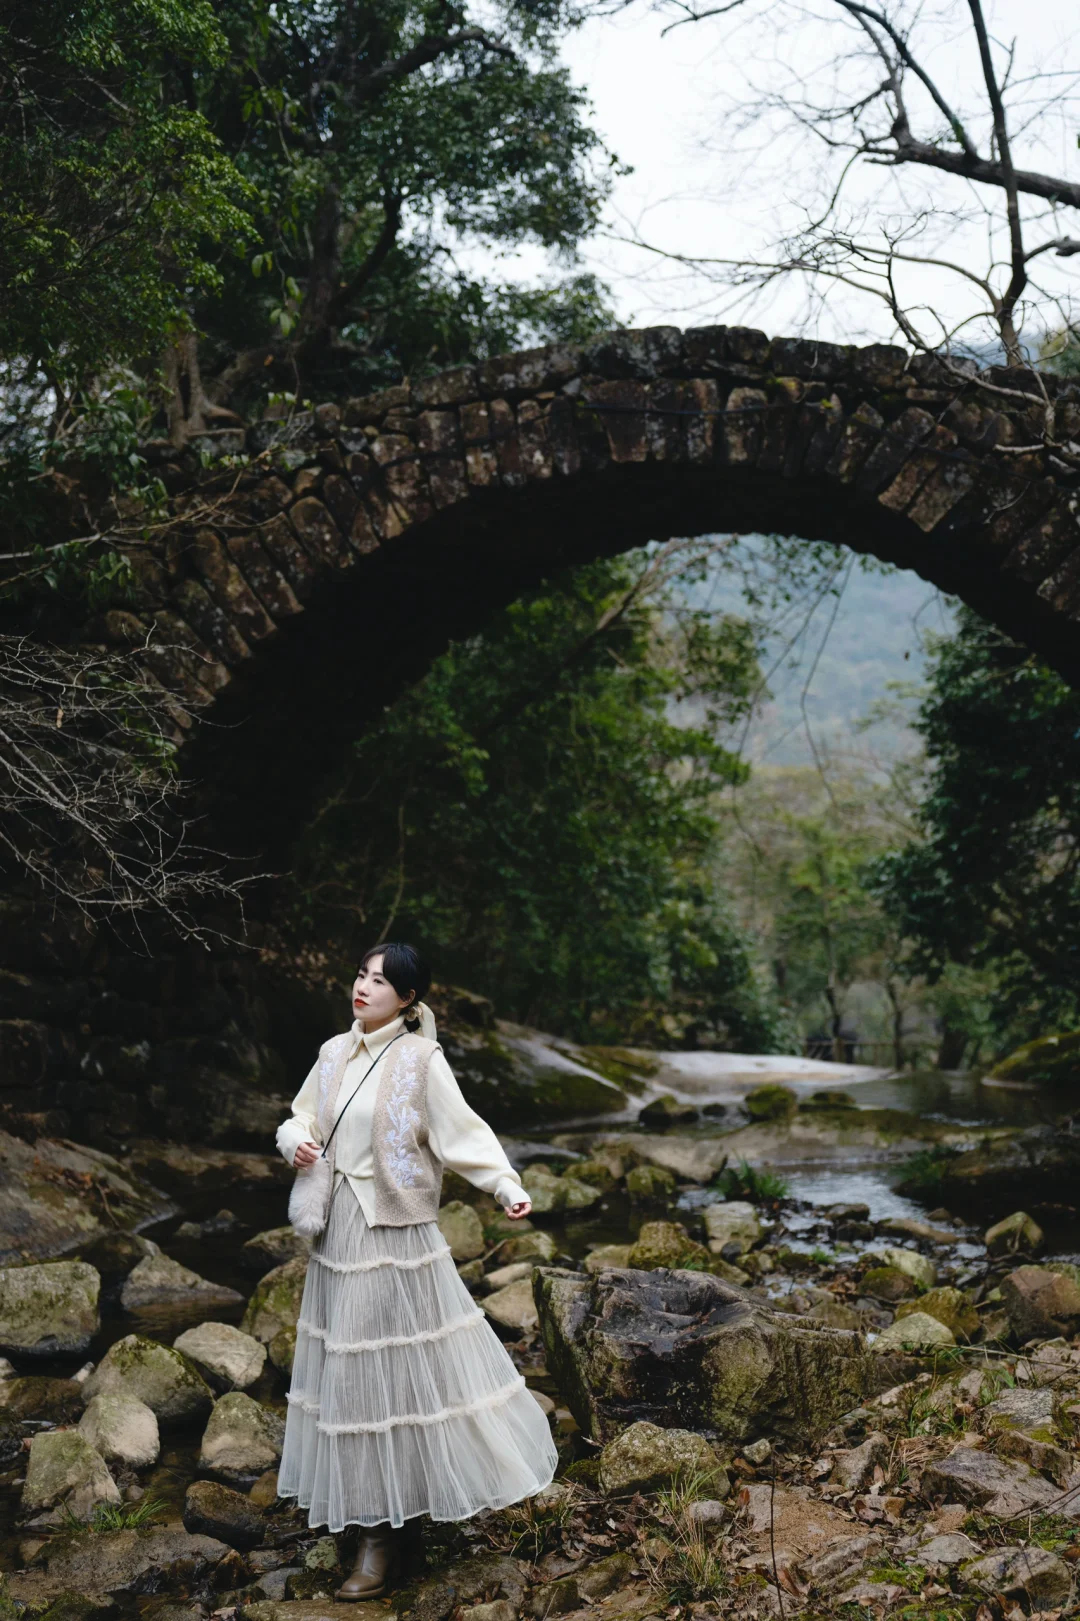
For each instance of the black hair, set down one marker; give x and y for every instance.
(403, 967)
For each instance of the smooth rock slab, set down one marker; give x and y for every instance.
(132, 1562)
(49, 1308)
(999, 1485)
(158, 1280)
(687, 1350)
(242, 1440)
(64, 1468)
(644, 1458)
(158, 1375)
(123, 1429)
(228, 1356)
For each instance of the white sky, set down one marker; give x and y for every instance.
(658, 103)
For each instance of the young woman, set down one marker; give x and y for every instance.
(403, 1400)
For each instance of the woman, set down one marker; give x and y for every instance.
(403, 1400)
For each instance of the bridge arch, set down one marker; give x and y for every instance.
(296, 592)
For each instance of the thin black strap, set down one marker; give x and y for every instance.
(359, 1084)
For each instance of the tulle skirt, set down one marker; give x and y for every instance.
(403, 1400)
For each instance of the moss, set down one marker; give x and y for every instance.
(586, 1472)
(771, 1102)
(1049, 1061)
(505, 1075)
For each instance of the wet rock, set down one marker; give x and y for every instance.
(183, 1166)
(123, 1429)
(1001, 1486)
(686, 1350)
(156, 1374)
(1040, 1304)
(667, 1244)
(600, 1170)
(113, 1255)
(1052, 1061)
(853, 1468)
(648, 1184)
(1021, 1409)
(218, 1511)
(919, 1268)
(1031, 1573)
(241, 1441)
(40, 1400)
(133, 1562)
(461, 1227)
(550, 1193)
(607, 1255)
(666, 1110)
(64, 1468)
(732, 1222)
(645, 1457)
(513, 1306)
(273, 1248)
(828, 1098)
(1016, 1234)
(908, 1227)
(158, 1280)
(48, 1309)
(887, 1283)
(528, 1246)
(917, 1332)
(950, 1306)
(275, 1303)
(51, 1198)
(225, 1356)
(771, 1102)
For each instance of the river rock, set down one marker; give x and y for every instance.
(645, 1457)
(608, 1255)
(1001, 1486)
(1032, 1573)
(282, 1351)
(733, 1222)
(887, 1283)
(40, 1400)
(649, 1184)
(1016, 1234)
(689, 1351)
(908, 1227)
(123, 1429)
(666, 1110)
(834, 1314)
(461, 1227)
(273, 1248)
(918, 1332)
(241, 1441)
(771, 1102)
(158, 1280)
(156, 1374)
(275, 1303)
(1040, 1304)
(692, 1159)
(48, 1309)
(950, 1306)
(601, 1169)
(513, 1306)
(667, 1244)
(502, 1276)
(528, 1246)
(550, 1193)
(919, 1268)
(151, 1560)
(54, 1197)
(114, 1254)
(225, 1355)
(218, 1511)
(64, 1468)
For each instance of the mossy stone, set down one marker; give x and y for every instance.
(645, 1457)
(771, 1102)
(64, 1468)
(950, 1306)
(649, 1184)
(1048, 1061)
(275, 1303)
(887, 1283)
(667, 1244)
(49, 1308)
(159, 1375)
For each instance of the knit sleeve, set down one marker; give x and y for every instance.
(465, 1143)
(302, 1125)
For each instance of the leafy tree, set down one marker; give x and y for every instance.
(532, 811)
(993, 881)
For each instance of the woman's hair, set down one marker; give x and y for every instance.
(403, 966)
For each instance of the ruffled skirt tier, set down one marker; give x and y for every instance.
(403, 1400)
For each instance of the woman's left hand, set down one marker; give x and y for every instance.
(521, 1208)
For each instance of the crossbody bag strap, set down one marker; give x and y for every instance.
(359, 1084)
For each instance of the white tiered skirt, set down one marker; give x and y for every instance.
(403, 1400)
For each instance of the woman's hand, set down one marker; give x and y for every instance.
(306, 1155)
(521, 1208)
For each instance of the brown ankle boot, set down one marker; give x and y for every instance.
(378, 1557)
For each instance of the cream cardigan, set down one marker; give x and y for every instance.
(457, 1136)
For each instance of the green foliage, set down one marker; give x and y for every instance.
(922, 1174)
(993, 880)
(116, 1516)
(750, 1182)
(531, 813)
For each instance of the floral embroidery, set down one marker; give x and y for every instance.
(403, 1161)
(329, 1057)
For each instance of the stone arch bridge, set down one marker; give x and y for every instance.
(297, 594)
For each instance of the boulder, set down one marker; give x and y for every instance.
(1031, 1573)
(1025, 1408)
(687, 1350)
(918, 1332)
(64, 1468)
(601, 1170)
(273, 1248)
(667, 1244)
(461, 1227)
(218, 1511)
(127, 1563)
(1016, 1234)
(887, 1283)
(645, 1457)
(224, 1355)
(40, 1400)
(666, 1110)
(649, 1184)
(502, 1276)
(692, 1159)
(48, 1309)
(114, 1254)
(607, 1255)
(950, 1306)
(1000, 1486)
(1051, 1061)
(732, 1222)
(528, 1246)
(1040, 1304)
(275, 1303)
(123, 1429)
(513, 1306)
(919, 1268)
(241, 1441)
(834, 1314)
(59, 1196)
(550, 1193)
(158, 1375)
(771, 1102)
(158, 1280)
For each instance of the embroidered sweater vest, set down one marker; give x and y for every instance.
(408, 1176)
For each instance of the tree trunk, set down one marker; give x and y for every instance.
(188, 408)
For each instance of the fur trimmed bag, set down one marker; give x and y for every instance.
(309, 1201)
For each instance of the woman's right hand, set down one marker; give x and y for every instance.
(306, 1155)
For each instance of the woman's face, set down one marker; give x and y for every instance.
(374, 998)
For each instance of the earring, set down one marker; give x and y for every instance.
(412, 1017)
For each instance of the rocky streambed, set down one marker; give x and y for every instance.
(764, 1404)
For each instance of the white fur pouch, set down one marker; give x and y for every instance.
(309, 1201)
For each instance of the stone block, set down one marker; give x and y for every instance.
(320, 535)
(263, 575)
